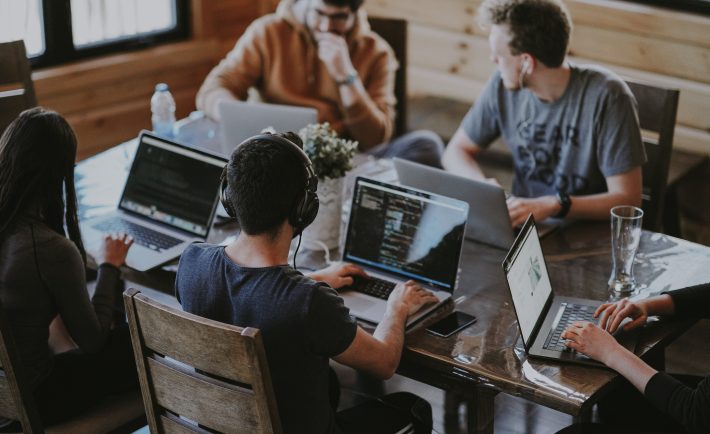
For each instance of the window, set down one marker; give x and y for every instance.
(697, 6)
(58, 31)
(23, 20)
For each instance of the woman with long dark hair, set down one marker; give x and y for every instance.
(43, 277)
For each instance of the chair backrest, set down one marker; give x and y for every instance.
(16, 399)
(197, 374)
(657, 108)
(17, 92)
(394, 31)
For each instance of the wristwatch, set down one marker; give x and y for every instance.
(565, 203)
(348, 80)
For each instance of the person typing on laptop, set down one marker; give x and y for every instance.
(74, 349)
(321, 54)
(572, 129)
(269, 187)
(684, 401)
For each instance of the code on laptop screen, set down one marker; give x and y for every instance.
(410, 233)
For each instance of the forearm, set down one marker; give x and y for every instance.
(366, 122)
(461, 162)
(390, 332)
(598, 206)
(630, 366)
(659, 305)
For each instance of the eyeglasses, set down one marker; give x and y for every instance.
(339, 17)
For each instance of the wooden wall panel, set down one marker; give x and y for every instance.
(107, 99)
(447, 49)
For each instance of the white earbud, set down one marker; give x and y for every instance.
(523, 73)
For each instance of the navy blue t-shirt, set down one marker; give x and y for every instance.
(303, 323)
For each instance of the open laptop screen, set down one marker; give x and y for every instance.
(528, 280)
(410, 233)
(173, 185)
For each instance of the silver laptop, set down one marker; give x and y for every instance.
(396, 234)
(488, 218)
(168, 202)
(542, 316)
(241, 120)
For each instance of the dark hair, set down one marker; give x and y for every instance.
(266, 181)
(37, 152)
(539, 27)
(354, 5)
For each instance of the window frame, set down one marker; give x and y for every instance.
(692, 6)
(59, 44)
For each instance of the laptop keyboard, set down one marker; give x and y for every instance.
(142, 236)
(373, 286)
(571, 313)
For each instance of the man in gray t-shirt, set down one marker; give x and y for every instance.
(572, 129)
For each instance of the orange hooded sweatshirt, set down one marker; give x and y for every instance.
(278, 56)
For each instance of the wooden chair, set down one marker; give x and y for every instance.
(17, 92)
(197, 374)
(657, 108)
(121, 413)
(394, 31)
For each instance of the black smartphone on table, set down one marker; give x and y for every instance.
(451, 324)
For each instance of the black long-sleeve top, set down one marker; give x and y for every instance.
(690, 407)
(42, 275)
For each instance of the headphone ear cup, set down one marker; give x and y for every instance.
(310, 208)
(305, 212)
(224, 198)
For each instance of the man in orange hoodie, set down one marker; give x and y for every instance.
(321, 54)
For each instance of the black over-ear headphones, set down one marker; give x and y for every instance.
(307, 205)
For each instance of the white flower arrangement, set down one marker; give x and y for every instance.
(331, 155)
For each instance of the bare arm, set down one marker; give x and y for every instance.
(460, 157)
(379, 354)
(623, 189)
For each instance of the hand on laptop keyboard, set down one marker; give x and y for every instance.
(114, 249)
(338, 274)
(590, 340)
(409, 296)
(612, 315)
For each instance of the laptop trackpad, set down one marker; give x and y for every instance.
(364, 306)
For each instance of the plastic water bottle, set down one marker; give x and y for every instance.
(162, 105)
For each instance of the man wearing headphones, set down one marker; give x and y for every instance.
(269, 187)
(572, 129)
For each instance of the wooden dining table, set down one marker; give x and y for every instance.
(488, 357)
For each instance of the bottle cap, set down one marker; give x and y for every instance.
(161, 87)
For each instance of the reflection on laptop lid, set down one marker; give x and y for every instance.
(407, 233)
(172, 185)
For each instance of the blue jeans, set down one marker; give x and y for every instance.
(421, 146)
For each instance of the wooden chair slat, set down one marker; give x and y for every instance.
(209, 403)
(15, 73)
(218, 350)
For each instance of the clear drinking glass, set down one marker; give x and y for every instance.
(625, 237)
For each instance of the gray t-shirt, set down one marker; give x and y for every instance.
(571, 145)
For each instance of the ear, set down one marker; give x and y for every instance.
(529, 64)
